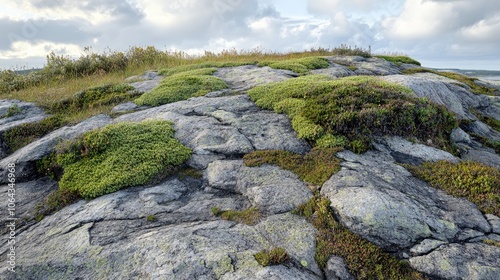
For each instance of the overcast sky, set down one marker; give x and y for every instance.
(440, 33)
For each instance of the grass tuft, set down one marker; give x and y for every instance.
(55, 202)
(476, 182)
(398, 60)
(275, 256)
(315, 167)
(364, 259)
(300, 65)
(94, 164)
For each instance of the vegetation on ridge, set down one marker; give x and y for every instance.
(275, 256)
(476, 182)
(398, 60)
(354, 108)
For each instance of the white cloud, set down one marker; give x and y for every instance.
(25, 49)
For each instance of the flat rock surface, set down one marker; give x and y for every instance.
(243, 78)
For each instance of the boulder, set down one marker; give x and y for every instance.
(460, 261)
(243, 78)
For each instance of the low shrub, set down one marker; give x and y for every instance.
(299, 65)
(399, 59)
(250, 216)
(364, 259)
(275, 256)
(55, 202)
(24, 134)
(118, 156)
(151, 218)
(315, 167)
(476, 182)
(355, 108)
(182, 86)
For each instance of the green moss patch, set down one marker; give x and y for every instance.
(119, 156)
(182, 86)
(298, 65)
(95, 97)
(250, 216)
(315, 167)
(55, 202)
(398, 59)
(355, 108)
(476, 182)
(275, 256)
(12, 111)
(364, 259)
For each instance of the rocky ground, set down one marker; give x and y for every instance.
(111, 237)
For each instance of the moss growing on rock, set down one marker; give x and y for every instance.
(250, 216)
(364, 260)
(477, 182)
(315, 167)
(189, 67)
(399, 59)
(55, 202)
(119, 156)
(275, 256)
(299, 65)
(356, 108)
(182, 86)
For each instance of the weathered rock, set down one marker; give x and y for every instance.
(243, 78)
(110, 237)
(127, 107)
(148, 82)
(426, 246)
(404, 151)
(367, 66)
(484, 156)
(457, 261)
(25, 157)
(335, 71)
(383, 203)
(460, 136)
(268, 188)
(494, 222)
(336, 269)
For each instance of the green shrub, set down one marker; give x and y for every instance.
(151, 218)
(355, 108)
(332, 141)
(250, 216)
(300, 65)
(119, 156)
(315, 167)
(95, 97)
(476, 182)
(24, 134)
(182, 86)
(398, 60)
(364, 259)
(275, 256)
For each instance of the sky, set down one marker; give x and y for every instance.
(461, 34)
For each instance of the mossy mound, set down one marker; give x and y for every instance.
(364, 259)
(182, 86)
(275, 256)
(189, 67)
(95, 97)
(119, 156)
(477, 182)
(354, 108)
(298, 65)
(399, 59)
(315, 167)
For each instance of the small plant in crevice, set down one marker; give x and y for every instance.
(12, 111)
(190, 172)
(315, 167)
(495, 145)
(55, 202)
(478, 183)
(151, 218)
(364, 259)
(491, 242)
(274, 256)
(250, 216)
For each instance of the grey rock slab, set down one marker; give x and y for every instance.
(26, 156)
(453, 97)
(468, 234)
(494, 237)
(457, 261)
(334, 71)
(223, 174)
(367, 66)
(336, 269)
(426, 246)
(148, 81)
(29, 113)
(384, 203)
(407, 152)
(460, 136)
(127, 107)
(243, 78)
(487, 157)
(483, 130)
(494, 222)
